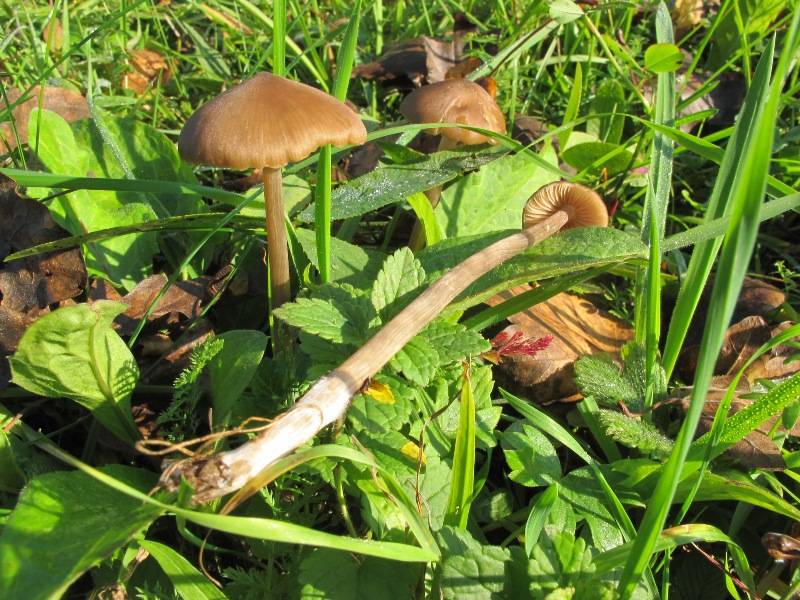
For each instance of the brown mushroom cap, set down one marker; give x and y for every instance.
(455, 101)
(267, 121)
(584, 206)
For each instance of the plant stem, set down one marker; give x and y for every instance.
(329, 398)
(278, 254)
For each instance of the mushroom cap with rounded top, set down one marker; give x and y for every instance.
(583, 206)
(455, 101)
(267, 121)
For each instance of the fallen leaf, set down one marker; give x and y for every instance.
(183, 298)
(178, 357)
(67, 103)
(577, 328)
(741, 341)
(756, 450)
(420, 60)
(53, 35)
(686, 14)
(528, 130)
(30, 285)
(148, 67)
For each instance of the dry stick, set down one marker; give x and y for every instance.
(328, 399)
(277, 248)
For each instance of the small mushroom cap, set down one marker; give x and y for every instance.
(455, 101)
(267, 121)
(583, 206)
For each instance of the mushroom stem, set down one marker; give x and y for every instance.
(417, 240)
(277, 252)
(327, 400)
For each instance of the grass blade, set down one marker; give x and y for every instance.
(322, 208)
(745, 198)
(463, 480)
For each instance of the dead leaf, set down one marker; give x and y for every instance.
(53, 35)
(183, 298)
(148, 67)
(67, 103)
(30, 285)
(686, 14)
(741, 341)
(755, 451)
(578, 328)
(420, 60)
(781, 546)
(528, 130)
(178, 357)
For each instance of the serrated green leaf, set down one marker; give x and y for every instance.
(471, 569)
(354, 304)
(189, 583)
(566, 252)
(375, 417)
(417, 360)
(75, 353)
(393, 183)
(454, 342)
(634, 433)
(530, 455)
(339, 576)
(492, 198)
(397, 283)
(320, 317)
(64, 523)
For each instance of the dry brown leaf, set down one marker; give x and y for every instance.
(30, 285)
(421, 60)
(742, 340)
(686, 14)
(67, 103)
(148, 67)
(757, 450)
(183, 298)
(528, 130)
(53, 35)
(578, 328)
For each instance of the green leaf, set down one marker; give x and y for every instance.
(663, 58)
(75, 353)
(492, 198)
(565, 11)
(331, 575)
(377, 417)
(417, 360)
(65, 523)
(530, 455)
(232, 368)
(349, 263)
(139, 152)
(560, 562)
(610, 98)
(454, 341)
(566, 252)
(394, 183)
(189, 583)
(321, 317)
(125, 259)
(596, 156)
(421, 206)
(397, 283)
(470, 569)
(634, 433)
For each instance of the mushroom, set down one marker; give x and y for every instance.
(327, 400)
(582, 205)
(265, 123)
(452, 101)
